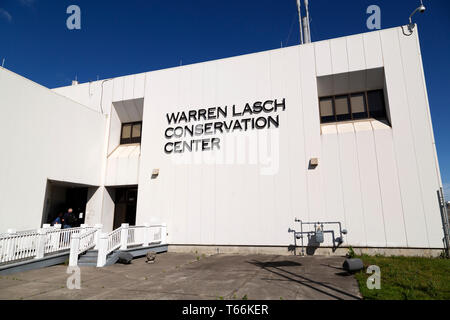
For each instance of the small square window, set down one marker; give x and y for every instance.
(358, 105)
(137, 131)
(326, 110)
(342, 108)
(131, 133)
(126, 131)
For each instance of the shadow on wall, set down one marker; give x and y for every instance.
(311, 247)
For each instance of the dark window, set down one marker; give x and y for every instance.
(327, 110)
(376, 104)
(131, 133)
(342, 107)
(354, 106)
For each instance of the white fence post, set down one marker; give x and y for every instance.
(124, 236)
(146, 236)
(102, 249)
(55, 237)
(11, 247)
(74, 247)
(163, 233)
(99, 228)
(40, 243)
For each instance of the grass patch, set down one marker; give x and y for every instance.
(407, 278)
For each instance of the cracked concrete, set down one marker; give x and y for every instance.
(185, 276)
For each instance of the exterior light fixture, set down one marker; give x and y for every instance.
(421, 9)
(155, 173)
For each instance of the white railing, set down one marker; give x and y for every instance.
(135, 235)
(82, 241)
(17, 246)
(114, 240)
(126, 236)
(87, 240)
(59, 240)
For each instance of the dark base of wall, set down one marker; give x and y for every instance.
(320, 251)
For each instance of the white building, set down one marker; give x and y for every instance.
(224, 151)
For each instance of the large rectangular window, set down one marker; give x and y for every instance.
(354, 106)
(131, 133)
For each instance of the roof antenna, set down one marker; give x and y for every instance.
(3, 62)
(306, 24)
(75, 82)
(300, 20)
(421, 9)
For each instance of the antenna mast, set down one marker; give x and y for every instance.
(307, 24)
(300, 20)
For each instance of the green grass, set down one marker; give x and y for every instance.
(407, 278)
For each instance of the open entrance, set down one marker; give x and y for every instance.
(125, 200)
(62, 196)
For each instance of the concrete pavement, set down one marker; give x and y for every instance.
(193, 277)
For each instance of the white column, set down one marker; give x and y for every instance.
(124, 236)
(74, 247)
(40, 243)
(163, 233)
(99, 228)
(102, 249)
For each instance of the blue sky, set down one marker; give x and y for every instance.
(126, 37)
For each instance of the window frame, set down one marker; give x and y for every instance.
(349, 101)
(131, 140)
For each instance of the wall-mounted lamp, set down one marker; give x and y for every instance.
(421, 9)
(313, 163)
(155, 173)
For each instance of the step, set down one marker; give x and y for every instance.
(87, 264)
(88, 259)
(90, 253)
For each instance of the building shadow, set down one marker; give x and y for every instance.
(278, 268)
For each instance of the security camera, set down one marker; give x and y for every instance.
(422, 8)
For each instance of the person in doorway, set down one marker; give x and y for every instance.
(68, 219)
(58, 219)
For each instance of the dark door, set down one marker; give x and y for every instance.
(125, 206)
(76, 199)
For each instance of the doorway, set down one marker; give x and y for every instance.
(60, 196)
(125, 206)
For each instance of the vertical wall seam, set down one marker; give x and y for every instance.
(379, 183)
(306, 175)
(394, 151)
(412, 136)
(360, 183)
